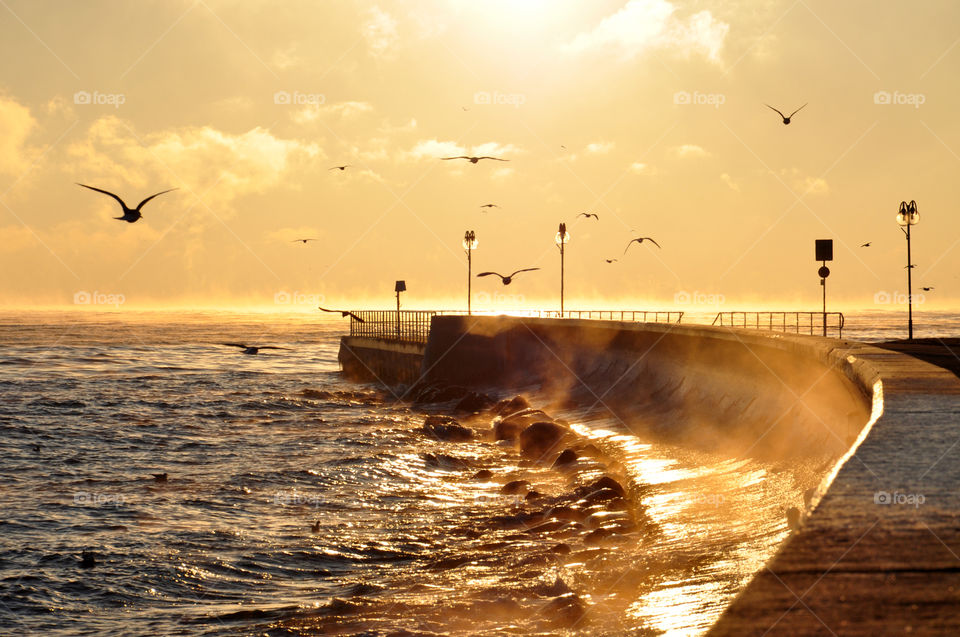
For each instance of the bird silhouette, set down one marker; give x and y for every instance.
(303, 240)
(474, 160)
(344, 313)
(640, 240)
(610, 260)
(489, 205)
(589, 214)
(506, 279)
(87, 560)
(129, 214)
(928, 288)
(786, 118)
(344, 167)
(252, 350)
(315, 527)
(865, 245)
(907, 267)
(160, 477)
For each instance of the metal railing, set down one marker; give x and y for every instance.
(797, 322)
(413, 326)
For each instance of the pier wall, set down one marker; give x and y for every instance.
(380, 360)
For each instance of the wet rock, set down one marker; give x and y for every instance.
(567, 513)
(555, 589)
(548, 527)
(561, 549)
(446, 428)
(566, 611)
(474, 401)
(509, 406)
(436, 393)
(597, 536)
(565, 459)
(483, 474)
(510, 427)
(533, 495)
(603, 495)
(606, 482)
(541, 439)
(515, 487)
(497, 609)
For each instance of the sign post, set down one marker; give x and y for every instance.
(824, 253)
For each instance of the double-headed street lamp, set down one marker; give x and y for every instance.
(469, 244)
(562, 238)
(908, 216)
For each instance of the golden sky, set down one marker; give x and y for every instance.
(649, 113)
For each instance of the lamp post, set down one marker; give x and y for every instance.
(908, 216)
(562, 238)
(399, 286)
(469, 244)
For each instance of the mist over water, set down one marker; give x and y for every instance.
(258, 449)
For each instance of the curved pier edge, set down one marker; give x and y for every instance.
(879, 551)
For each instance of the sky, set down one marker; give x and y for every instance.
(650, 113)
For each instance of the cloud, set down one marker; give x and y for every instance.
(284, 59)
(219, 166)
(600, 148)
(727, 179)
(380, 32)
(16, 125)
(642, 25)
(641, 168)
(689, 150)
(805, 185)
(314, 112)
(431, 148)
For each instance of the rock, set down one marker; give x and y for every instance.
(446, 428)
(510, 427)
(483, 474)
(436, 393)
(568, 457)
(566, 610)
(541, 439)
(595, 537)
(474, 401)
(557, 588)
(533, 495)
(607, 482)
(561, 549)
(509, 406)
(603, 495)
(567, 513)
(515, 487)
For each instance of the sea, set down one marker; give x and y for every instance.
(218, 493)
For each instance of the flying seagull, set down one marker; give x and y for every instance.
(129, 214)
(304, 240)
(474, 160)
(907, 267)
(589, 214)
(640, 240)
(610, 260)
(927, 289)
(344, 313)
(489, 205)
(252, 350)
(865, 245)
(786, 118)
(507, 279)
(344, 167)
(160, 477)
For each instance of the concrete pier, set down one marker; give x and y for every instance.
(878, 550)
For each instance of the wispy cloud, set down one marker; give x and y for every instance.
(685, 151)
(380, 32)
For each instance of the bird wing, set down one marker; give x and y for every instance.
(628, 245)
(650, 239)
(271, 347)
(524, 270)
(778, 112)
(460, 157)
(235, 345)
(140, 205)
(106, 192)
(798, 110)
(489, 273)
(356, 318)
(496, 158)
